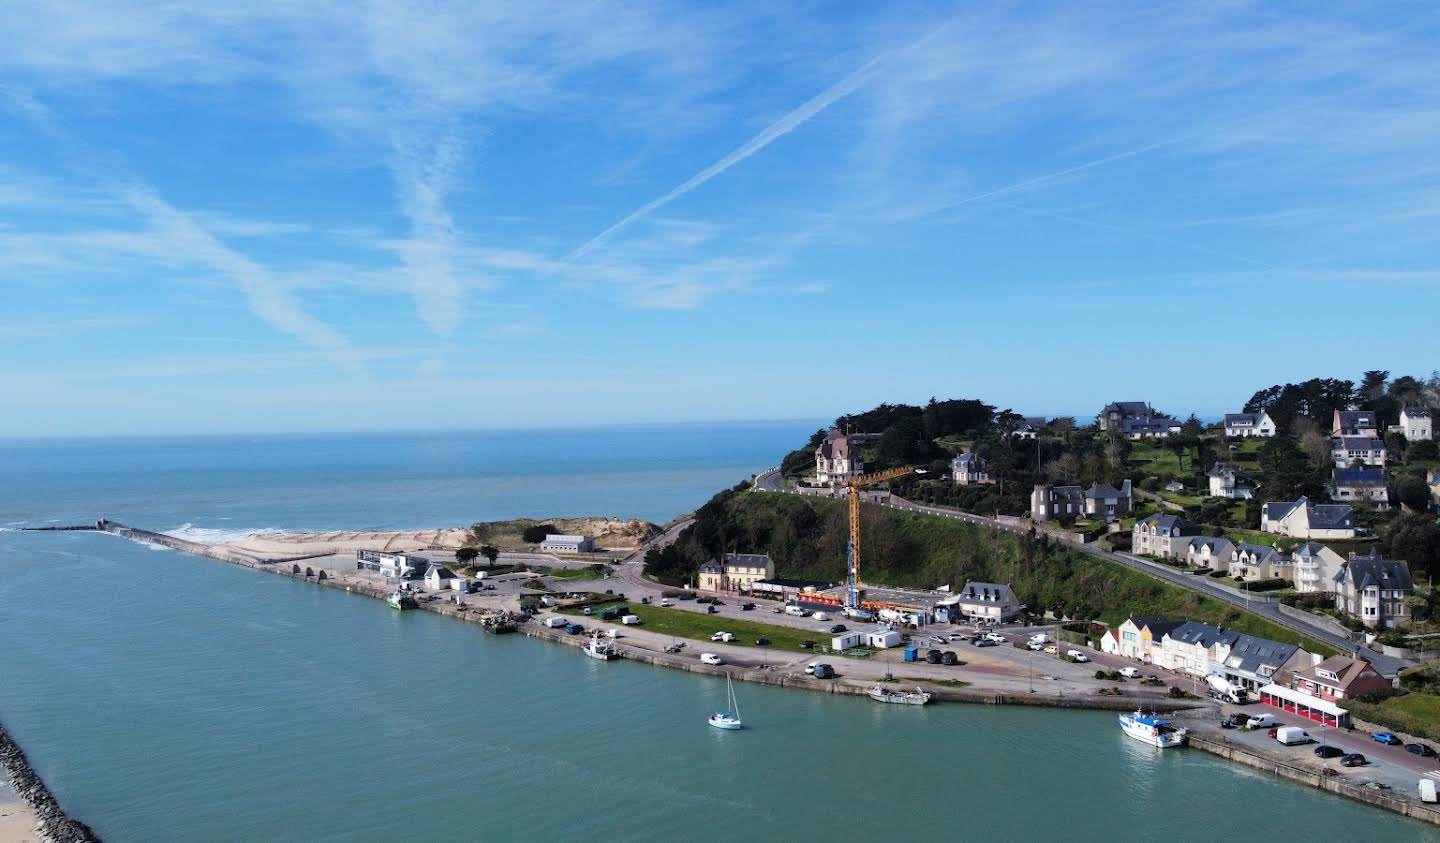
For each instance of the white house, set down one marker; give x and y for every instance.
(1315, 568)
(1190, 648)
(986, 601)
(1215, 553)
(1345, 451)
(1226, 481)
(560, 543)
(1141, 638)
(736, 572)
(1415, 424)
(401, 566)
(438, 577)
(1258, 562)
(1163, 536)
(838, 459)
(1360, 484)
(1249, 424)
(846, 641)
(1373, 589)
(1305, 520)
(968, 469)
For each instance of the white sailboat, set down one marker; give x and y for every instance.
(728, 720)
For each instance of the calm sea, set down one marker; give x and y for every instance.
(167, 697)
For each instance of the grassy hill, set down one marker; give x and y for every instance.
(806, 537)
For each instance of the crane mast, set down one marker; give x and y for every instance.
(853, 550)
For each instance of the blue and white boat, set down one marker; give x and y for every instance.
(1152, 730)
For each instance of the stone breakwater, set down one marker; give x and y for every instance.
(54, 824)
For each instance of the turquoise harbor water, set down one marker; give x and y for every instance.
(167, 697)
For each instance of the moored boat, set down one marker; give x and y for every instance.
(1153, 730)
(401, 600)
(598, 648)
(728, 720)
(885, 695)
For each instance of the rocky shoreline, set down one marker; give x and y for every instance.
(54, 824)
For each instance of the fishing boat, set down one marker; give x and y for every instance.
(885, 695)
(401, 600)
(598, 648)
(499, 623)
(728, 720)
(1153, 730)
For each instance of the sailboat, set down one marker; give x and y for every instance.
(728, 720)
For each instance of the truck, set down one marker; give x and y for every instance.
(858, 615)
(1221, 689)
(1291, 735)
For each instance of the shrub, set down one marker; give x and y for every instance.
(537, 533)
(1217, 574)
(294, 569)
(1100, 674)
(1266, 585)
(1176, 692)
(321, 576)
(1114, 676)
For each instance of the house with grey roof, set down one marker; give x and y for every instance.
(1315, 567)
(987, 601)
(1346, 451)
(1029, 427)
(1191, 647)
(1252, 662)
(1150, 427)
(1373, 589)
(1415, 424)
(1303, 519)
(735, 572)
(1227, 481)
(1355, 423)
(1257, 562)
(1213, 552)
(1163, 536)
(1112, 418)
(1249, 424)
(1360, 484)
(968, 469)
(1048, 503)
(1105, 501)
(839, 458)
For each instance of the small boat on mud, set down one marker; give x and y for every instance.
(1153, 730)
(885, 695)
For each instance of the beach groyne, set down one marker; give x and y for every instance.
(54, 824)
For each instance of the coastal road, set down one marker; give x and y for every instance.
(769, 481)
(1264, 607)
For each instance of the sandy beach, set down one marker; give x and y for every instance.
(17, 820)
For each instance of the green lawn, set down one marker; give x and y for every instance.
(699, 627)
(1416, 713)
(589, 572)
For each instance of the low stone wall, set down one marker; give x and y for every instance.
(1379, 798)
(54, 824)
(1330, 625)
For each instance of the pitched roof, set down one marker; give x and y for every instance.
(1416, 412)
(1241, 419)
(976, 591)
(1356, 418)
(1263, 553)
(1358, 477)
(1142, 424)
(1360, 443)
(1165, 522)
(441, 571)
(1203, 634)
(1249, 653)
(1307, 550)
(1375, 571)
(1331, 516)
(1217, 544)
(1157, 624)
(1105, 490)
(1346, 669)
(1128, 408)
(750, 560)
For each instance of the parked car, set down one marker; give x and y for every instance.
(666, 601)
(1421, 749)
(1327, 751)
(717, 601)
(1076, 655)
(762, 642)
(956, 637)
(932, 656)
(746, 607)
(995, 636)
(807, 644)
(722, 636)
(949, 657)
(1386, 738)
(1353, 759)
(824, 671)
(1051, 649)
(711, 610)
(810, 668)
(1235, 721)
(704, 599)
(711, 658)
(1035, 646)
(985, 642)
(936, 639)
(839, 627)
(1132, 673)
(1273, 732)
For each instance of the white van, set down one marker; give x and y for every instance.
(1040, 638)
(1291, 735)
(556, 622)
(796, 611)
(666, 602)
(820, 616)
(630, 620)
(1261, 721)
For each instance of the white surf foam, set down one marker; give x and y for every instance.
(214, 535)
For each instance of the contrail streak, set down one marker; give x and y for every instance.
(780, 128)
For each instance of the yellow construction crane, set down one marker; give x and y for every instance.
(853, 552)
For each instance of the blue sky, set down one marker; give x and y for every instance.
(267, 216)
